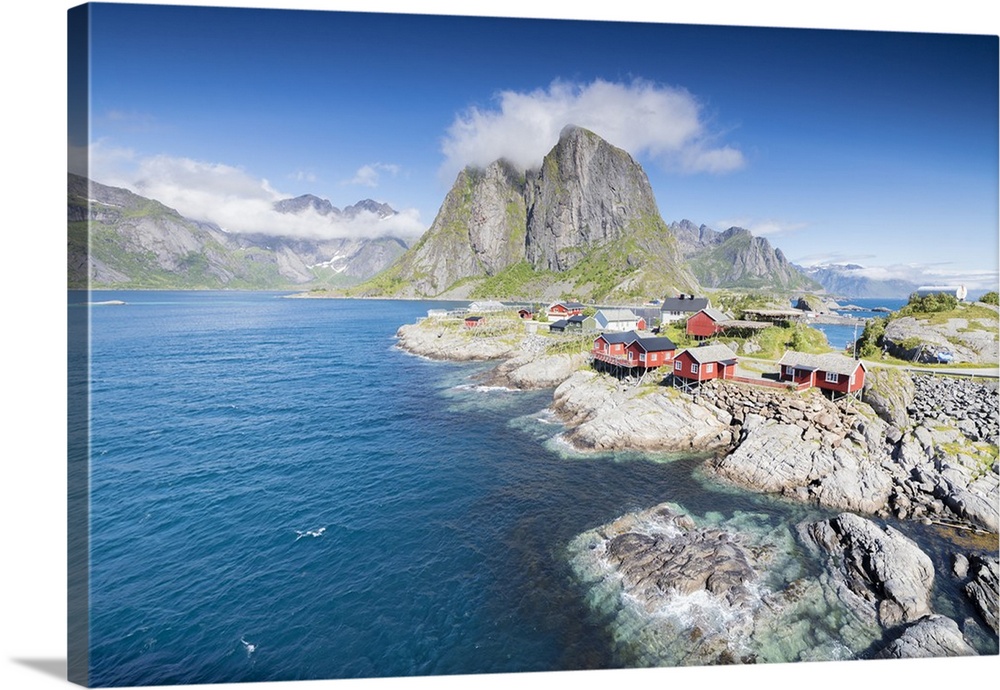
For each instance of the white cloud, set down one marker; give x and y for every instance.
(765, 227)
(368, 175)
(232, 198)
(917, 273)
(664, 123)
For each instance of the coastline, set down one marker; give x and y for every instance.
(868, 456)
(875, 460)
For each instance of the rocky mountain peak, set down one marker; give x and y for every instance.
(305, 202)
(587, 192)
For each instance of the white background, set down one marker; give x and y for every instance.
(33, 114)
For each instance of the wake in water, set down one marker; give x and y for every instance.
(251, 648)
(310, 533)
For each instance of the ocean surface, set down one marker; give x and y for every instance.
(279, 493)
(842, 336)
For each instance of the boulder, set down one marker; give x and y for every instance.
(931, 636)
(982, 589)
(877, 571)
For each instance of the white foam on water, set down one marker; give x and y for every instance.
(310, 533)
(251, 648)
(479, 388)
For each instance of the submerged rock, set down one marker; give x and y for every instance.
(931, 636)
(680, 591)
(982, 589)
(878, 572)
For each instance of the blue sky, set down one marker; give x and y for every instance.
(875, 148)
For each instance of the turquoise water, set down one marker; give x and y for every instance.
(279, 493)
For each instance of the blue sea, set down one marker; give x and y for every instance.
(841, 336)
(279, 493)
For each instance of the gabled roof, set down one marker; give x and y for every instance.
(474, 318)
(626, 338)
(561, 323)
(715, 314)
(711, 353)
(688, 304)
(577, 318)
(655, 344)
(617, 315)
(831, 361)
(568, 305)
(488, 305)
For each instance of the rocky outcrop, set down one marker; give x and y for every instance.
(931, 636)
(804, 447)
(438, 340)
(982, 588)
(878, 572)
(847, 457)
(890, 392)
(970, 405)
(603, 414)
(972, 339)
(681, 593)
(678, 590)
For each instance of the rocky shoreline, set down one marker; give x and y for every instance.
(911, 449)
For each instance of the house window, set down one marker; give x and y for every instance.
(642, 356)
(709, 368)
(832, 377)
(694, 367)
(678, 366)
(790, 370)
(852, 379)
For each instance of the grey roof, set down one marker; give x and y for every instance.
(568, 305)
(656, 344)
(558, 325)
(626, 337)
(711, 353)
(686, 304)
(578, 318)
(831, 361)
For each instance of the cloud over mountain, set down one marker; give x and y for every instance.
(664, 123)
(233, 199)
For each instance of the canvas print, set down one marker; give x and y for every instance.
(422, 345)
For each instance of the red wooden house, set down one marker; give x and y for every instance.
(526, 314)
(474, 321)
(706, 323)
(611, 346)
(833, 372)
(559, 310)
(651, 352)
(630, 351)
(697, 364)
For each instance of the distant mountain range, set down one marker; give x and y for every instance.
(736, 259)
(848, 280)
(135, 242)
(584, 225)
